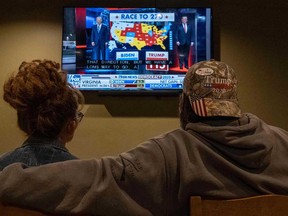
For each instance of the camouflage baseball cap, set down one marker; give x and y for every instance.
(212, 89)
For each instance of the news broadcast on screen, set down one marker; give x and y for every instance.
(135, 49)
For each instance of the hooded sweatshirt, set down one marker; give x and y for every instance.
(242, 158)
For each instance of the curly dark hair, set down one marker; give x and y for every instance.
(43, 99)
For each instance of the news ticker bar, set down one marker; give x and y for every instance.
(126, 81)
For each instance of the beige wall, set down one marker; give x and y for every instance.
(253, 40)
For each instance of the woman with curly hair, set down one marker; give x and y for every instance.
(47, 110)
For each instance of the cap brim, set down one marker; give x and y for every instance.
(206, 107)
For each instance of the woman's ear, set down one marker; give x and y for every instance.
(68, 132)
(72, 125)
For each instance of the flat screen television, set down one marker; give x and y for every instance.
(134, 50)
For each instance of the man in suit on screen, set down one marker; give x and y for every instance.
(184, 39)
(99, 39)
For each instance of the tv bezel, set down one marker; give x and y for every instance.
(214, 51)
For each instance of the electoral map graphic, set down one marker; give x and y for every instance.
(138, 34)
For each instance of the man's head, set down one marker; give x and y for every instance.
(99, 20)
(210, 90)
(184, 19)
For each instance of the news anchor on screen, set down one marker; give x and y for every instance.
(99, 39)
(184, 39)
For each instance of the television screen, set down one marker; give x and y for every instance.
(134, 49)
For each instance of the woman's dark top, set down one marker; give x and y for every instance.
(35, 151)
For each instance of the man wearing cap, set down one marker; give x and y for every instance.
(218, 153)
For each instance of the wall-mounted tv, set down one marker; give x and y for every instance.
(134, 50)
